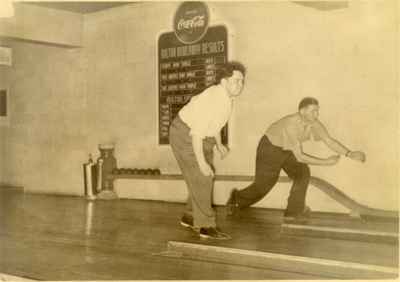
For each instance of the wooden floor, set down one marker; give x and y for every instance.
(48, 237)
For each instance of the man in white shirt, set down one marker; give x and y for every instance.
(193, 134)
(281, 148)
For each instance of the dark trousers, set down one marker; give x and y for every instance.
(270, 160)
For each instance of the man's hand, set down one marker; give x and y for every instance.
(332, 160)
(206, 170)
(223, 150)
(357, 156)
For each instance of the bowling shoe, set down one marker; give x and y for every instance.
(300, 218)
(213, 233)
(187, 221)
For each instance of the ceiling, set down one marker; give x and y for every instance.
(86, 7)
(324, 5)
(80, 7)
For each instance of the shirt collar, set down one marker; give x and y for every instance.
(225, 92)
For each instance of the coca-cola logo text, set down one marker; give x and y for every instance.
(190, 24)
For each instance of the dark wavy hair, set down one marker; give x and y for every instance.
(305, 102)
(227, 70)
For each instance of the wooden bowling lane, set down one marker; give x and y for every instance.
(340, 233)
(68, 238)
(340, 226)
(256, 237)
(267, 260)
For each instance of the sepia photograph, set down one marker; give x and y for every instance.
(199, 140)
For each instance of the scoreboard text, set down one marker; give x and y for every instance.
(186, 70)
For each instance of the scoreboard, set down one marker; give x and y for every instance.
(185, 70)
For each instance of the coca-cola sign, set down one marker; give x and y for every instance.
(191, 22)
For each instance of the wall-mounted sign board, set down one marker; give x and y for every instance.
(185, 70)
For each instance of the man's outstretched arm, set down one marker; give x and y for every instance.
(313, 160)
(336, 146)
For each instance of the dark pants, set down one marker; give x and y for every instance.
(270, 160)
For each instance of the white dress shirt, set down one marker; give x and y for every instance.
(207, 112)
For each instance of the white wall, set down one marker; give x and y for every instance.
(37, 24)
(291, 52)
(45, 143)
